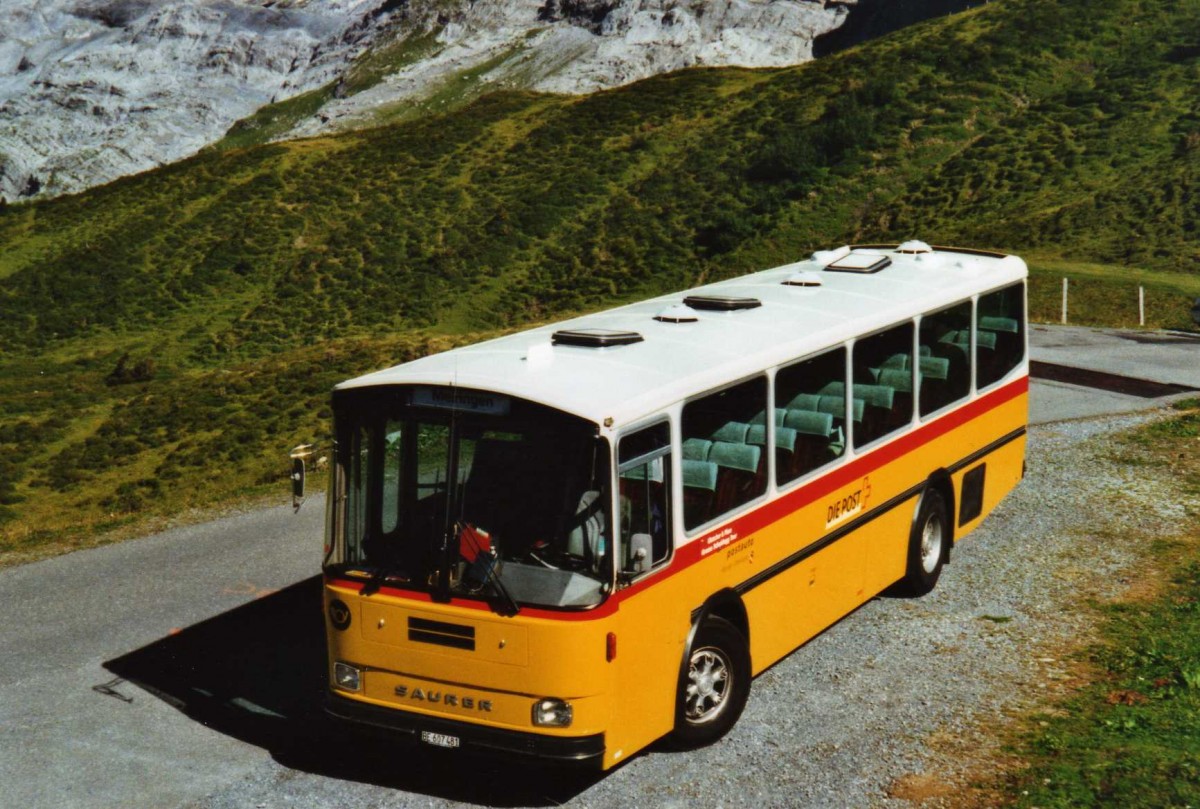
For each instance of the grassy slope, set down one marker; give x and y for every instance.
(1130, 738)
(1067, 131)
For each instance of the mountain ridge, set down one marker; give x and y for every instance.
(91, 90)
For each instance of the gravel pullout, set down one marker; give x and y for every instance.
(901, 689)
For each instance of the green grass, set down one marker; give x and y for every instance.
(1066, 131)
(275, 120)
(378, 63)
(453, 92)
(1107, 294)
(1130, 738)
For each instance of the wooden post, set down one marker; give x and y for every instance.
(1141, 306)
(1064, 306)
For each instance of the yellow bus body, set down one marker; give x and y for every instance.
(798, 560)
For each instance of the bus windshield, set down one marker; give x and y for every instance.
(470, 494)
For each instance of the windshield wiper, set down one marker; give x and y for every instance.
(488, 560)
(509, 602)
(375, 582)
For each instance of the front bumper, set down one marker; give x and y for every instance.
(584, 749)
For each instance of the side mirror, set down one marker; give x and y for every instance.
(641, 546)
(299, 455)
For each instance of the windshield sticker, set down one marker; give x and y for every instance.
(457, 399)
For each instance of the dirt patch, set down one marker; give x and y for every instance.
(920, 788)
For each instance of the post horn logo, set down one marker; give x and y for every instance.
(339, 614)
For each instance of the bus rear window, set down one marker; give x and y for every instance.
(999, 334)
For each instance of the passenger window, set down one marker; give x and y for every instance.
(644, 473)
(883, 383)
(999, 334)
(809, 413)
(722, 470)
(944, 361)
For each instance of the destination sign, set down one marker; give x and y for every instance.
(473, 401)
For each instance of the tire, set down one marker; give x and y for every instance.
(926, 545)
(713, 686)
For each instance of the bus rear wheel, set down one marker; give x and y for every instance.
(926, 545)
(714, 685)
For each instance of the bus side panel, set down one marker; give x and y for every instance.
(652, 629)
(788, 609)
(888, 550)
(1002, 472)
(887, 554)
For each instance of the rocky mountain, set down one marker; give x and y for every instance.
(91, 90)
(581, 46)
(94, 89)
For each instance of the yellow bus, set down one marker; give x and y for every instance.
(572, 541)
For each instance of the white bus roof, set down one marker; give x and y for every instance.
(675, 361)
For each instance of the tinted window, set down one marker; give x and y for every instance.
(883, 383)
(809, 414)
(721, 469)
(999, 334)
(944, 361)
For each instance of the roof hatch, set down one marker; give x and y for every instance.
(861, 263)
(595, 338)
(720, 303)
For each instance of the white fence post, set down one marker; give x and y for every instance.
(1141, 306)
(1064, 307)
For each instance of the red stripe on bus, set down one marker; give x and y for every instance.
(762, 516)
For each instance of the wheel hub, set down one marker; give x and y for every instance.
(708, 683)
(931, 544)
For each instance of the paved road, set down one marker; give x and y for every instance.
(1168, 358)
(215, 623)
(91, 617)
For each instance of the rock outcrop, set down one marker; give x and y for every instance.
(91, 90)
(581, 46)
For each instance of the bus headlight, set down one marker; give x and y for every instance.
(346, 677)
(552, 713)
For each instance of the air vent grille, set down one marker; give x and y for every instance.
(720, 303)
(595, 338)
(440, 633)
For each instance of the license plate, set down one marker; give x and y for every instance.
(439, 739)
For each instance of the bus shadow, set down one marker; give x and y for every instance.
(257, 674)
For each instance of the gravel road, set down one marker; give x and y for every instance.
(892, 703)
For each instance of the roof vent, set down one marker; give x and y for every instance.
(802, 279)
(720, 303)
(677, 313)
(594, 338)
(912, 247)
(861, 263)
(826, 256)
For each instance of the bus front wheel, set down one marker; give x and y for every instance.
(926, 545)
(714, 685)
